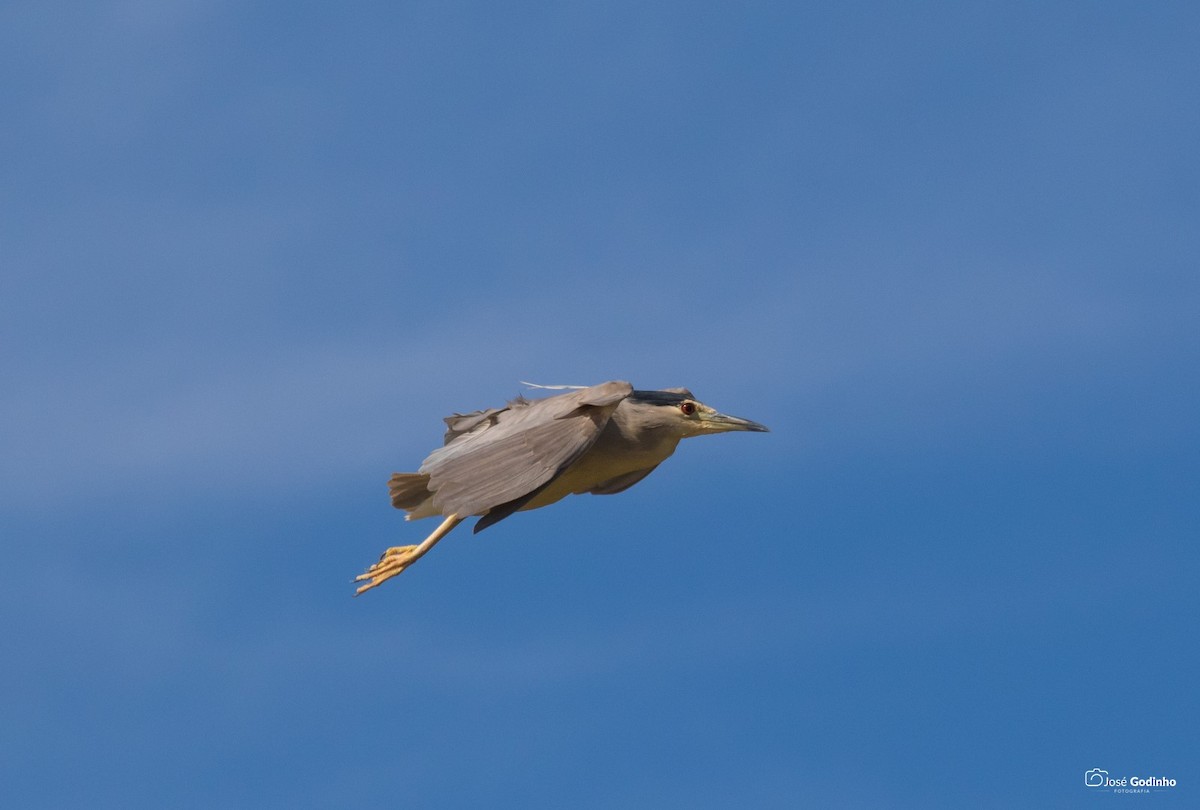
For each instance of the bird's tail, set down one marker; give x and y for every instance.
(409, 490)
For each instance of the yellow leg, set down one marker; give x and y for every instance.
(397, 558)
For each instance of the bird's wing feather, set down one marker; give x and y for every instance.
(622, 482)
(461, 424)
(506, 454)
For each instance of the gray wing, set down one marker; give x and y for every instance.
(622, 482)
(462, 424)
(495, 457)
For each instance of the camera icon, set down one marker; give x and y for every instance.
(1095, 777)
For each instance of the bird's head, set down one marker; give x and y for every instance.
(677, 410)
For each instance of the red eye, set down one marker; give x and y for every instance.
(688, 408)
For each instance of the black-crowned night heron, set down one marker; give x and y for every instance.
(532, 453)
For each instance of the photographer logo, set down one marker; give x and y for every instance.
(1100, 778)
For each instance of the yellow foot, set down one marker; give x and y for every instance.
(391, 562)
(397, 558)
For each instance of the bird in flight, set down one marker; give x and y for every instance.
(601, 439)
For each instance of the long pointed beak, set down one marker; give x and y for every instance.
(721, 423)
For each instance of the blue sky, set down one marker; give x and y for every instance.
(948, 252)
